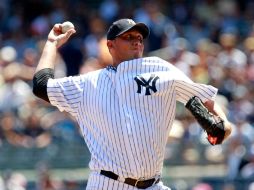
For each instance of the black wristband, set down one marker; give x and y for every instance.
(40, 81)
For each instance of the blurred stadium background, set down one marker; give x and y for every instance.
(211, 41)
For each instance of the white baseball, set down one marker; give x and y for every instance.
(66, 26)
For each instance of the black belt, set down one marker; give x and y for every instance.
(133, 182)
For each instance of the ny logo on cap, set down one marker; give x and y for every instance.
(131, 21)
(146, 83)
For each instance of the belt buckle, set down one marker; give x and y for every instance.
(138, 180)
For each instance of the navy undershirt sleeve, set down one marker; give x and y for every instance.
(40, 81)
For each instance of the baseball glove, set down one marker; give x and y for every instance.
(212, 124)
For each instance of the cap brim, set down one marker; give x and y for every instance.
(141, 27)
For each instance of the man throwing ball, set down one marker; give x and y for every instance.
(126, 110)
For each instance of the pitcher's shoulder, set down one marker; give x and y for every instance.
(156, 62)
(153, 59)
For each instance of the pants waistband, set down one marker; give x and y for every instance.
(140, 184)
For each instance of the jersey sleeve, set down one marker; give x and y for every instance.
(65, 93)
(185, 88)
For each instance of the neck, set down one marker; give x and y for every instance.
(116, 63)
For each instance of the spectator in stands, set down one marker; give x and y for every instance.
(13, 91)
(202, 186)
(109, 10)
(9, 124)
(251, 186)
(16, 181)
(231, 56)
(2, 186)
(45, 180)
(237, 150)
(182, 57)
(159, 24)
(249, 47)
(91, 41)
(200, 73)
(27, 133)
(247, 169)
(34, 134)
(102, 59)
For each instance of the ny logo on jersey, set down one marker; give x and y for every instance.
(141, 82)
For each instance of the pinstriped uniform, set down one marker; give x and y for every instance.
(125, 115)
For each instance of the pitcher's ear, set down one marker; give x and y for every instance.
(110, 44)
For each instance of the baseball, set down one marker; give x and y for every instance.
(66, 26)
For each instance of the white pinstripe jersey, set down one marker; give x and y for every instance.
(125, 115)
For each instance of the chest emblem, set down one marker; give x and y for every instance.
(149, 85)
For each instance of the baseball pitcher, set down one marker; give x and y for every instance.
(126, 110)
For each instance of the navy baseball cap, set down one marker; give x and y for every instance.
(123, 25)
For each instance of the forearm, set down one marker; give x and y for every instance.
(45, 68)
(48, 56)
(227, 124)
(56, 39)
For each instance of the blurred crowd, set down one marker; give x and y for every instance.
(211, 41)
